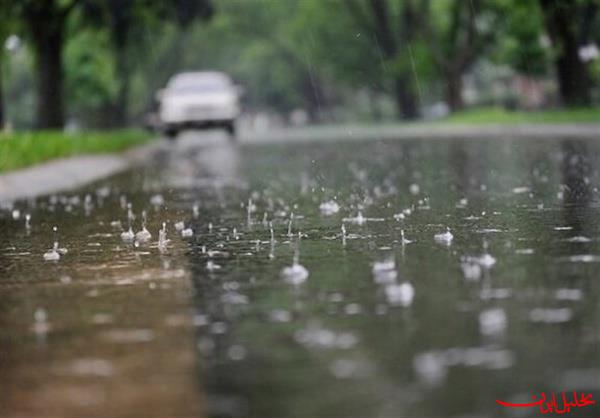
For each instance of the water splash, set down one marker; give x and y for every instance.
(403, 240)
(163, 241)
(144, 235)
(492, 322)
(359, 219)
(41, 326)
(250, 209)
(296, 273)
(212, 266)
(400, 294)
(55, 252)
(384, 265)
(330, 207)
(444, 238)
(187, 232)
(128, 235)
(290, 223)
(52, 254)
(271, 231)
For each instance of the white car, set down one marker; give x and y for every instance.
(199, 100)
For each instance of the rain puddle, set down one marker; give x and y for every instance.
(403, 278)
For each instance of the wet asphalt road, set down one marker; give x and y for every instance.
(393, 320)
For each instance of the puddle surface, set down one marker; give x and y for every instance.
(309, 280)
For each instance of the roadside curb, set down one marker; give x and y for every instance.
(68, 173)
(430, 131)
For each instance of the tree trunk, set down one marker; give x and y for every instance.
(573, 77)
(48, 47)
(405, 99)
(122, 100)
(403, 93)
(454, 86)
(121, 20)
(314, 97)
(2, 114)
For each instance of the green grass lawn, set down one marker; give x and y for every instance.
(490, 115)
(23, 149)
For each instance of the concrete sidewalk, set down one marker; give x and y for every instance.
(69, 173)
(424, 130)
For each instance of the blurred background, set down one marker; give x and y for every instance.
(433, 277)
(97, 64)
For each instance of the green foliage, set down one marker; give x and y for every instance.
(288, 54)
(90, 75)
(522, 46)
(27, 148)
(501, 116)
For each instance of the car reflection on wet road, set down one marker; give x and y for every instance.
(386, 321)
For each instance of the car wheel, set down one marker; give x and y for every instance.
(171, 133)
(230, 128)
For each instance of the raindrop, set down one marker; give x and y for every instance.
(280, 315)
(578, 239)
(430, 367)
(359, 219)
(296, 273)
(569, 294)
(211, 266)
(143, 235)
(471, 271)
(157, 200)
(399, 216)
(444, 238)
(236, 352)
(128, 235)
(403, 240)
(521, 190)
(40, 325)
(162, 237)
(329, 207)
(551, 316)
(385, 265)
(492, 321)
(400, 294)
(271, 231)
(290, 223)
(55, 252)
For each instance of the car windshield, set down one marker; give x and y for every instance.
(198, 88)
(198, 84)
